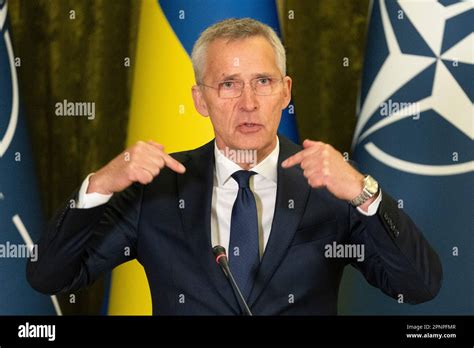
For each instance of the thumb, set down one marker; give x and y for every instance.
(308, 143)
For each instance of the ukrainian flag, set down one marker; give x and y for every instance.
(162, 107)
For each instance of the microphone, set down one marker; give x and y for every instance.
(221, 259)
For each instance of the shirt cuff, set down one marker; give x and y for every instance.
(90, 200)
(372, 207)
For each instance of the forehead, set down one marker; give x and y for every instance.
(248, 56)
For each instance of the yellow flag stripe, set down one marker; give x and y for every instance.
(161, 109)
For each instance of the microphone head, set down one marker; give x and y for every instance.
(219, 253)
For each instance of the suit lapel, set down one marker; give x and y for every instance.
(196, 187)
(292, 194)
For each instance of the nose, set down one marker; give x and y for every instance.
(248, 99)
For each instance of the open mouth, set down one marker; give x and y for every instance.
(248, 127)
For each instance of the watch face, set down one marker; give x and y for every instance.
(371, 185)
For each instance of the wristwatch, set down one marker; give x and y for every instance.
(371, 187)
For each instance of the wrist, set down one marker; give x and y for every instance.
(367, 194)
(357, 187)
(95, 185)
(365, 206)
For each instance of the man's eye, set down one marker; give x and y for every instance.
(228, 84)
(264, 81)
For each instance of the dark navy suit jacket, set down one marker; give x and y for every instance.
(166, 227)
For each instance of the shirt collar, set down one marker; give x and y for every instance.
(225, 167)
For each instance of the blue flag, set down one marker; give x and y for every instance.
(189, 18)
(414, 134)
(20, 214)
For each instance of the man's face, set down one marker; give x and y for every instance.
(249, 121)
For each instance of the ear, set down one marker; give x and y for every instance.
(199, 102)
(287, 83)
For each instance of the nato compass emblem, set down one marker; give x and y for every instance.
(8, 85)
(416, 103)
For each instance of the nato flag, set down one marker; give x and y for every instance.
(20, 213)
(414, 134)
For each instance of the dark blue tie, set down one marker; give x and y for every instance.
(243, 247)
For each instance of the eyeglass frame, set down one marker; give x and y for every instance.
(243, 86)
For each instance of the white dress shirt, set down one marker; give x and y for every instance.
(224, 193)
(225, 190)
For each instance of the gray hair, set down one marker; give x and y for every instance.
(235, 29)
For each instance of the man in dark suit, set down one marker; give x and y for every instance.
(291, 217)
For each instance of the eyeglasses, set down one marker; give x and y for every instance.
(233, 88)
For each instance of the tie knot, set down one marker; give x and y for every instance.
(243, 177)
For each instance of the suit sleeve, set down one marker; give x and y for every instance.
(398, 259)
(80, 244)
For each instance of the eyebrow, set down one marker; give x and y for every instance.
(237, 76)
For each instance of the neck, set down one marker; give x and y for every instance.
(246, 158)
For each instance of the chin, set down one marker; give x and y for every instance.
(252, 142)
